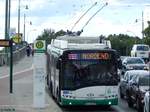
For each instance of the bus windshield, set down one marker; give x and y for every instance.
(79, 73)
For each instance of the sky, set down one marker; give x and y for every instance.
(119, 16)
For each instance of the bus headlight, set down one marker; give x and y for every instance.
(109, 103)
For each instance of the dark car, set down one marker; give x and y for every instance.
(138, 86)
(133, 63)
(124, 83)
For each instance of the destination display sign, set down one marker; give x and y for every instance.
(4, 43)
(86, 56)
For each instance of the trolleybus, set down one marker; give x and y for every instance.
(81, 71)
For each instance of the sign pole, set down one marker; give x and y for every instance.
(39, 74)
(11, 67)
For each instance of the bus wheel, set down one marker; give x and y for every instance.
(51, 90)
(47, 80)
(121, 95)
(57, 97)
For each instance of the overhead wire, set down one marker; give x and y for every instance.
(83, 15)
(94, 15)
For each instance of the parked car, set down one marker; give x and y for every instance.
(147, 102)
(140, 50)
(133, 63)
(138, 86)
(124, 83)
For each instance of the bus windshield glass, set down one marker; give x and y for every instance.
(83, 73)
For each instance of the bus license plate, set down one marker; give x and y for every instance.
(142, 53)
(90, 103)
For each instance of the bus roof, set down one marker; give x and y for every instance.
(78, 42)
(79, 39)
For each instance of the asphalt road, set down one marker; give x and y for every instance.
(26, 78)
(23, 93)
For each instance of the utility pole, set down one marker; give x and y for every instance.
(18, 17)
(142, 25)
(6, 20)
(6, 28)
(24, 29)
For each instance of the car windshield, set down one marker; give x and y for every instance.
(144, 81)
(87, 73)
(135, 61)
(143, 48)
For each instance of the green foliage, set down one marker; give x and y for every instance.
(49, 34)
(123, 43)
(147, 34)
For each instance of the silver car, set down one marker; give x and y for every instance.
(146, 102)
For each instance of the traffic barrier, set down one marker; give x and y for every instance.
(17, 55)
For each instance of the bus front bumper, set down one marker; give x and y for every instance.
(89, 102)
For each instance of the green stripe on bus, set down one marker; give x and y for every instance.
(88, 102)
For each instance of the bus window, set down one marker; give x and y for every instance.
(87, 73)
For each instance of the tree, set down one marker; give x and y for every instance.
(49, 34)
(123, 43)
(147, 34)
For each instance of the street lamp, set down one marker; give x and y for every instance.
(142, 24)
(24, 28)
(26, 7)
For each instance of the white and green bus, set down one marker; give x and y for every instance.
(82, 73)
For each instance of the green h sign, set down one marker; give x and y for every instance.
(40, 46)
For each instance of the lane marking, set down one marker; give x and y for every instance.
(22, 106)
(17, 73)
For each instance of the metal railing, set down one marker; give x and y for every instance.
(17, 55)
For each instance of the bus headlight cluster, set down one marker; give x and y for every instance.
(69, 96)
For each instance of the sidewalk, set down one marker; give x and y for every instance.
(21, 100)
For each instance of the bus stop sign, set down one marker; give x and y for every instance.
(40, 46)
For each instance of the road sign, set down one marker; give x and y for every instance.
(17, 38)
(40, 46)
(4, 43)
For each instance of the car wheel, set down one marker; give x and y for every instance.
(129, 101)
